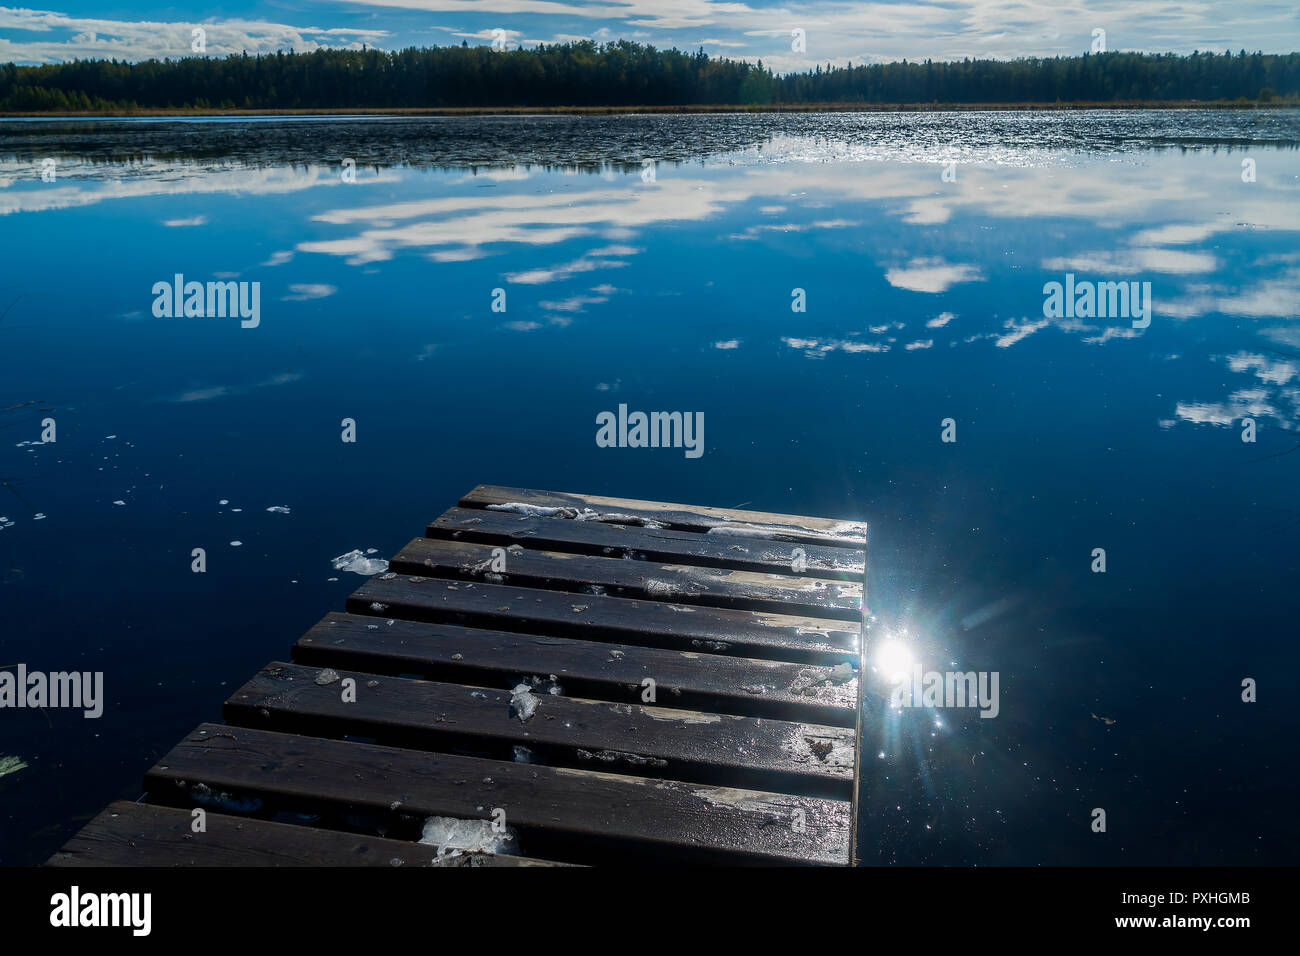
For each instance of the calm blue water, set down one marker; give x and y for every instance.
(924, 302)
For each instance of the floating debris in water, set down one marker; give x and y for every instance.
(1108, 721)
(202, 793)
(358, 563)
(522, 702)
(278, 510)
(10, 765)
(119, 503)
(236, 544)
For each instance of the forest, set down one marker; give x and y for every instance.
(626, 74)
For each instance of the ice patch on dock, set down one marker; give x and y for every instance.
(454, 838)
(681, 716)
(773, 532)
(615, 517)
(745, 800)
(523, 702)
(574, 514)
(357, 562)
(550, 684)
(620, 756)
(779, 533)
(533, 511)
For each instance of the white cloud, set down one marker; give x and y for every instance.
(837, 31)
(818, 348)
(1266, 370)
(1019, 332)
(304, 291)
(63, 37)
(222, 391)
(931, 275)
(1134, 261)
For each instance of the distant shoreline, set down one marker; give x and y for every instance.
(702, 108)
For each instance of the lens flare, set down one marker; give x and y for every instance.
(894, 660)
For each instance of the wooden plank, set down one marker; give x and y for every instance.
(599, 617)
(683, 584)
(645, 544)
(719, 521)
(141, 834)
(649, 741)
(685, 679)
(559, 813)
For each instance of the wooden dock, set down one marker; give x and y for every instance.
(611, 681)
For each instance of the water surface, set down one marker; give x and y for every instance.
(652, 261)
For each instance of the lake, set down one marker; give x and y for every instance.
(855, 303)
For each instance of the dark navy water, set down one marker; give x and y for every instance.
(652, 261)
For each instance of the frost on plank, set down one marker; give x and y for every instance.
(454, 838)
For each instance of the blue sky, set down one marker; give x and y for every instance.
(835, 31)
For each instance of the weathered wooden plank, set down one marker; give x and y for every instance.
(717, 521)
(596, 617)
(559, 813)
(141, 834)
(645, 544)
(683, 584)
(685, 679)
(649, 741)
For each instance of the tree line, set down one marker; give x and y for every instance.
(624, 74)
